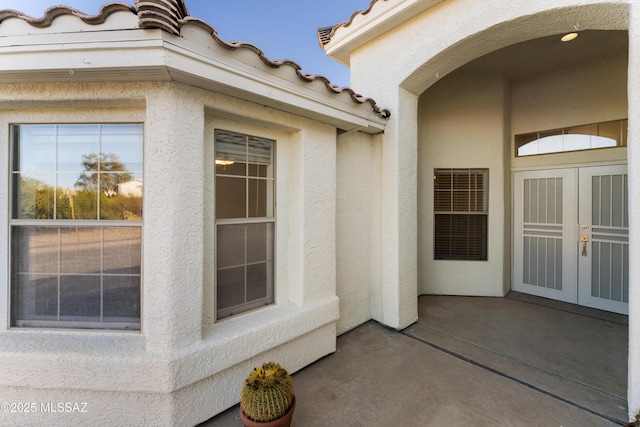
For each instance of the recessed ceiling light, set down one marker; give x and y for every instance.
(568, 37)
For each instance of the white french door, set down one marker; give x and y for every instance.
(545, 221)
(571, 235)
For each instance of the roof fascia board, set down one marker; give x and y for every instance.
(384, 16)
(148, 55)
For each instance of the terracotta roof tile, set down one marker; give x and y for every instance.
(170, 16)
(163, 14)
(307, 77)
(55, 11)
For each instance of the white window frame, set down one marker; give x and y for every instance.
(15, 223)
(269, 299)
(472, 208)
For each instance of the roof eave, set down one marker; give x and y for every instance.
(155, 55)
(363, 28)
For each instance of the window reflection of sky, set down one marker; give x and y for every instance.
(567, 142)
(47, 152)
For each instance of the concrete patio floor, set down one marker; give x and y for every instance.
(511, 361)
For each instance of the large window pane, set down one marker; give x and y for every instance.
(461, 237)
(460, 214)
(245, 266)
(245, 188)
(85, 162)
(76, 276)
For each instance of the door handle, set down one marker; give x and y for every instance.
(584, 238)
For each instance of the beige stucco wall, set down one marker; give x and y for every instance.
(358, 241)
(462, 125)
(181, 367)
(593, 92)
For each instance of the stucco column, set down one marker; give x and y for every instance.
(312, 244)
(399, 213)
(633, 152)
(173, 218)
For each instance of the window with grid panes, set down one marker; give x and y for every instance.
(76, 225)
(245, 222)
(460, 214)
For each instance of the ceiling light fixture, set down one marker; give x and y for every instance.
(568, 37)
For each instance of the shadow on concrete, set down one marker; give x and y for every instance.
(511, 361)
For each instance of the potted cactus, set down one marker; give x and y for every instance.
(636, 420)
(267, 398)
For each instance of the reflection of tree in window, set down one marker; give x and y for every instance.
(104, 169)
(103, 172)
(76, 274)
(36, 199)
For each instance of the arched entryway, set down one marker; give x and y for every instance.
(571, 97)
(411, 57)
(441, 79)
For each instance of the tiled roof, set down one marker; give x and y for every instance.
(170, 16)
(275, 63)
(55, 11)
(325, 33)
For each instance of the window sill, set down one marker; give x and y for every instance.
(81, 342)
(247, 335)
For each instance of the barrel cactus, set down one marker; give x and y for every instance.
(635, 422)
(267, 393)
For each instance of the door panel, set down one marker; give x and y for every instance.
(544, 259)
(603, 267)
